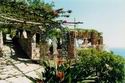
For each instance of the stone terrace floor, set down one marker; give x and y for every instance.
(14, 69)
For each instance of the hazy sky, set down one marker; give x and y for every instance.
(107, 16)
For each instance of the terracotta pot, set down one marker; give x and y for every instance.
(60, 75)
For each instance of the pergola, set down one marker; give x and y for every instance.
(31, 19)
(39, 20)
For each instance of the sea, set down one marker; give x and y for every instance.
(118, 51)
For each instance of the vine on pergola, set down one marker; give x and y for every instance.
(34, 14)
(41, 12)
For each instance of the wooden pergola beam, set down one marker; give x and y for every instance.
(6, 23)
(19, 21)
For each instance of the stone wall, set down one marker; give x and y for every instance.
(38, 52)
(29, 46)
(71, 44)
(25, 45)
(91, 39)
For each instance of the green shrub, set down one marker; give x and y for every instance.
(91, 66)
(106, 66)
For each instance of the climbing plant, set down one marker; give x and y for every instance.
(33, 16)
(29, 14)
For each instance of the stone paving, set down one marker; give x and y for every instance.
(15, 70)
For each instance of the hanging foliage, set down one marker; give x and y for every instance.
(29, 14)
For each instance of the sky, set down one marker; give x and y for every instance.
(106, 16)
